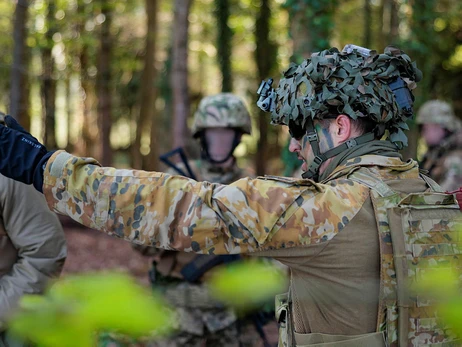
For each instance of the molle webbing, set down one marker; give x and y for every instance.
(417, 232)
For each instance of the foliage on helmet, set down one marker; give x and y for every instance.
(332, 82)
(223, 110)
(438, 112)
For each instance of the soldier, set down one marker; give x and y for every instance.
(32, 248)
(442, 132)
(219, 123)
(330, 228)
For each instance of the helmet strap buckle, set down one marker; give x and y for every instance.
(351, 143)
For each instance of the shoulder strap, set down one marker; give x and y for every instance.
(431, 183)
(365, 177)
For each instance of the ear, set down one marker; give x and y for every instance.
(343, 128)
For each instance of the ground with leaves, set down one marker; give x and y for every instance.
(90, 250)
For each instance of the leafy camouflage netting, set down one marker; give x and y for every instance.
(333, 82)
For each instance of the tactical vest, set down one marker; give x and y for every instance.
(417, 231)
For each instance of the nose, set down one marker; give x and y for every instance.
(294, 146)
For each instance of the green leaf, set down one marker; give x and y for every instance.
(247, 284)
(77, 307)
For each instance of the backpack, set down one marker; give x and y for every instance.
(417, 231)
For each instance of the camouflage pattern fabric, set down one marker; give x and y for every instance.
(422, 228)
(174, 212)
(223, 110)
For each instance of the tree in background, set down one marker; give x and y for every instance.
(429, 31)
(311, 24)
(388, 19)
(19, 88)
(103, 83)
(87, 143)
(224, 43)
(367, 31)
(48, 85)
(420, 48)
(179, 76)
(147, 112)
(265, 57)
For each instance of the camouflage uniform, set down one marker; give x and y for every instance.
(444, 161)
(324, 229)
(202, 319)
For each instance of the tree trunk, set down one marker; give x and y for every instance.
(393, 35)
(367, 24)
(423, 16)
(103, 84)
(381, 37)
(224, 44)
(86, 144)
(19, 95)
(163, 124)
(265, 55)
(48, 87)
(311, 23)
(146, 118)
(181, 102)
(70, 112)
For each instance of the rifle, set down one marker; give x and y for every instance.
(165, 158)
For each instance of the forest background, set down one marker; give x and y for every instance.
(120, 80)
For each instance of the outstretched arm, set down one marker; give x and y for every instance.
(166, 211)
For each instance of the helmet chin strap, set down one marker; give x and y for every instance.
(319, 158)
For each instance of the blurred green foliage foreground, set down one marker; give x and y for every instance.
(76, 310)
(443, 285)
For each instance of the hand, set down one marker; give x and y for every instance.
(22, 156)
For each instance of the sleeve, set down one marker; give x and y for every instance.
(174, 212)
(37, 235)
(165, 211)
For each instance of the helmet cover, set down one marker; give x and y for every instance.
(332, 83)
(224, 110)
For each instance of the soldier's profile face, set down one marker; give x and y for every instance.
(302, 146)
(433, 134)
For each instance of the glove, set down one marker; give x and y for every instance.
(22, 157)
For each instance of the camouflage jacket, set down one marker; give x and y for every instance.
(325, 232)
(444, 162)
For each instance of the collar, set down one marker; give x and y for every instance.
(373, 160)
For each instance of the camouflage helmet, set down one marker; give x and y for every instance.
(223, 110)
(438, 112)
(348, 82)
